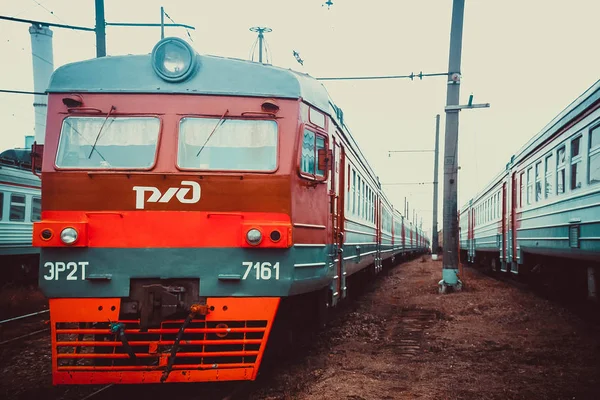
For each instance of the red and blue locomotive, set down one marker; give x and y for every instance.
(184, 198)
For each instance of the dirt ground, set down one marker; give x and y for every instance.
(403, 340)
(399, 340)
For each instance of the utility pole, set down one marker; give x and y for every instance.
(450, 218)
(434, 234)
(100, 29)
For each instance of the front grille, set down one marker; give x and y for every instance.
(205, 345)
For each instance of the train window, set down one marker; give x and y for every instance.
(17, 208)
(594, 162)
(549, 165)
(576, 172)
(320, 140)
(36, 209)
(235, 145)
(107, 143)
(1, 206)
(538, 181)
(530, 186)
(354, 192)
(522, 193)
(560, 170)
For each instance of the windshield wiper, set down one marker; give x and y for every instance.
(217, 126)
(100, 131)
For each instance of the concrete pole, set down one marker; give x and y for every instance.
(43, 66)
(450, 226)
(100, 29)
(434, 233)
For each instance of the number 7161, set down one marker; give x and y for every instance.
(264, 270)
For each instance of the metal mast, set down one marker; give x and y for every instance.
(260, 30)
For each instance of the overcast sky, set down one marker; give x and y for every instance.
(528, 58)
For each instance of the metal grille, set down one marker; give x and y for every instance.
(205, 345)
(574, 236)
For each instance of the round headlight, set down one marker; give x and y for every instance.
(173, 59)
(253, 236)
(68, 236)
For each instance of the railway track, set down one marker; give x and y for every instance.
(8, 325)
(231, 391)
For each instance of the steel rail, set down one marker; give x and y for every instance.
(23, 316)
(23, 336)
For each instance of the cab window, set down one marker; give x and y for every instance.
(108, 143)
(227, 144)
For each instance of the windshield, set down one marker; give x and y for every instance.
(227, 145)
(122, 143)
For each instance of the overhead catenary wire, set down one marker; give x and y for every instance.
(22, 92)
(186, 29)
(412, 76)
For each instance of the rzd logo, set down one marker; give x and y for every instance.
(157, 197)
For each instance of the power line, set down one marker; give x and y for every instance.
(29, 8)
(50, 11)
(186, 29)
(43, 23)
(357, 78)
(21, 92)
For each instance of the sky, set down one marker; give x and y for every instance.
(528, 58)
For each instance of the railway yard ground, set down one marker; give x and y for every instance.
(399, 339)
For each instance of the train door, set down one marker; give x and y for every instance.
(512, 236)
(337, 216)
(503, 246)
(471, 235)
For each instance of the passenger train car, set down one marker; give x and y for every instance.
(20, 206)
(542, 212)
(186, 199)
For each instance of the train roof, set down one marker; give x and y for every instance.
(579, 105)
(11, 175)
(215, 76)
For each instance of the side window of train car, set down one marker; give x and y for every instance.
(17, 208)
(36, 209)
(560, 170)
(594, 161)
(576, 163)
(549, 165)
(522, 193)
(313, 154)
(538, 181)
(530, 185)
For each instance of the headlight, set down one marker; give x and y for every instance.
(173, 59)
(68, 236)
(253, 236)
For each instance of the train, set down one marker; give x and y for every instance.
(20, 207)
(539, 217)
(189, 199)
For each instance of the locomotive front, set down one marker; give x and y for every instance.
(165, 233)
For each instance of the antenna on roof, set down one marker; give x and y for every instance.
(261, 38)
